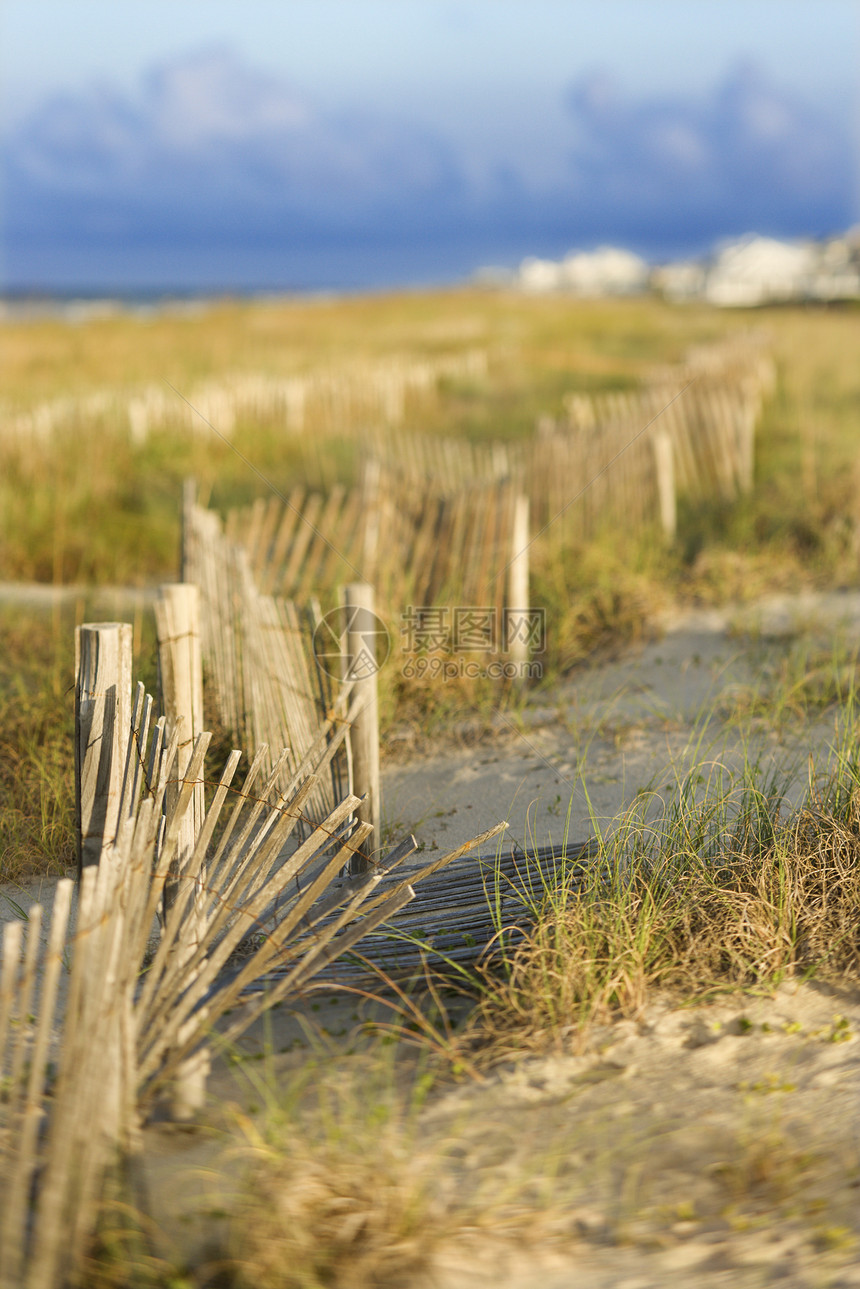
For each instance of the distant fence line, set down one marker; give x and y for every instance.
(701, 445)
(438, 521)
(332, 400)
(608, 449)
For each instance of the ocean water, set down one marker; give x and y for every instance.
(147, 272)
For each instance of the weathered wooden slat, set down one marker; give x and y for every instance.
(361, 642)
(103, 663)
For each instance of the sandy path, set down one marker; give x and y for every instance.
(617, 728)
(716, 1146)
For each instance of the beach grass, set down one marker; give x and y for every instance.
(92, 506)
(725, 882)
(725, 885)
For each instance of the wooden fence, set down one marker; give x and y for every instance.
(438, 522)
(101, 1019)
(119, 1004)
(263, 681)
(432, 520)
(325, 401)
(422, 548)
(616, 458)
(416, 544)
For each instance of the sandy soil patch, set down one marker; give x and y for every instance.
(715, 1144)
(709, 1145)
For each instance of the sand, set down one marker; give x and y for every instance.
(582, 752)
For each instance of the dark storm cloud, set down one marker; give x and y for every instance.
(746, 155)
(217, 165)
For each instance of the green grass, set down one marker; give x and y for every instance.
(36, 748)
(97, 509)
(363, 1162)
(715, 885)
(37, 789)
(94, 508)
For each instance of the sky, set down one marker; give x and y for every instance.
(345, 144)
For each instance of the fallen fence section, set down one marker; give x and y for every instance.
(469, 910)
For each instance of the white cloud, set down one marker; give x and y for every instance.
(210, 97)
(236, 134)
(745, 152)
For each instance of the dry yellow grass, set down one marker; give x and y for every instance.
(99, 508)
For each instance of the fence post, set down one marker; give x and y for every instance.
(177, 620)
(362, 627)
(665, 462)
(103, 667)
(518, 581)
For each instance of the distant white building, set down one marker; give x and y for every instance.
(761, 270)
(606, 271)
(837, 271)
(539, 275)
(752, 271)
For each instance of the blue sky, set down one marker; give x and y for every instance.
(326, 143)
